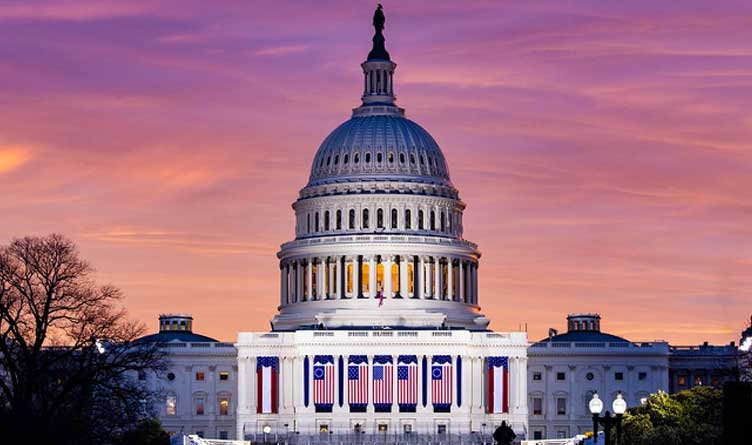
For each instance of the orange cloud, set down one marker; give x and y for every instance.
(13, 157)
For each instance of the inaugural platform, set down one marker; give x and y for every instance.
(379, 328)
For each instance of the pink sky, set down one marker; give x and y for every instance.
(604, 150)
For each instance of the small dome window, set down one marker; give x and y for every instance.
(379, 158)
(345, 159)
(402, 158)
(356, 158)
(364, 221)
(328, 161)
(336, 159)
(394, 218)
(422, 160)
(391, 157)
(368, 158)
(412, 159)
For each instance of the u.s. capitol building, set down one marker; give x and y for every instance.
(379, 327)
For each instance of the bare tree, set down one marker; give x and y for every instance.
(68, 356)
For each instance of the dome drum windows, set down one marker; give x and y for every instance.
(338, 223)
(395, 218)
(408, 219)
(351, 219)
(380, 218)
(326, 221)
(364, 222)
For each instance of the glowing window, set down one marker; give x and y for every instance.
(224, 376)
(200, 376)
(199, 406)
(224, 406)
(364, 278)
(171, 405)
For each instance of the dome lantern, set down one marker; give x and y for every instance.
(378, 74)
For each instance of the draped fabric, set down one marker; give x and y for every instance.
(407, 382)
(441, 382)
(498, 385)
(323, 382)
(357, 383)
(267, 371)
(383, 382)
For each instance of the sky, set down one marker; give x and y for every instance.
(603, 149)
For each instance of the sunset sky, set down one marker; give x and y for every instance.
(603, 149)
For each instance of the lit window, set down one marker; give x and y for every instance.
(200, 376)
(698, 381)
(199, 406)
(224, 406)
(537, 406)
(561, 406)
(171, 405)
(224, 375)
(681, 380)
(714, 380)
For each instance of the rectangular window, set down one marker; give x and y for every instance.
(537, 435)
(199, 406)
(223, 435)
(537, 406)
(171, 406)
(224, 406)
(619, 376)
(224, 376)
(537, 376)
(642, 375)
(681, 380)
(200, 376)
(561, 376)
(561, 406)
(349, 278)
(698, 380)
(714, 380)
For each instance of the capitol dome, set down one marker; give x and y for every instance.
(378, 226)
(382, 147)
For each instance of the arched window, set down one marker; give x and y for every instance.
(394, 218)
(317, 221)
(368, 158)
(380, 218)
(390, 157)
(412, 159)
(379, 158)
(402, 158)
(326, 220)
(443, 221)
(346, 158)
(420, 220)
(339, 219)
(408, 217)
(328, 161)
(336, 159)
(364, 223)
(433, 220)
(351, 223)
(356, 158)
(422, 160)
(308, 225)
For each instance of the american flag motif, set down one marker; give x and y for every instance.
(323, 380)
(357, 380)
(407, 381)
(266, 376)
(441, 381)
(498, 384)
(383, 373)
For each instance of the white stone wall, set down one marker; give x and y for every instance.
(185, 360)
(292, 347)
(581, 361)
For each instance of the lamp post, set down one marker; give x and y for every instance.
(596, 406)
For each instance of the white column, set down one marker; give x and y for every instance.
(298, 281)
(403, 276)
(320, 280)
(283, 284)
(461, 278)
(330, 278)
(252, 385)
(437, 278)
(356, 277)
(338, 291)
(522, 382)
(419, 277)
(429, 279)
(450, 280)
(372, 277)
(309, 278)
(242, 376)
(388, 276)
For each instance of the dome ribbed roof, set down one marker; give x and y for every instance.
(379, 147)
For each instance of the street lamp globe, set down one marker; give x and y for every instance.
(596, 404)
(267, 429)
(619, 405)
